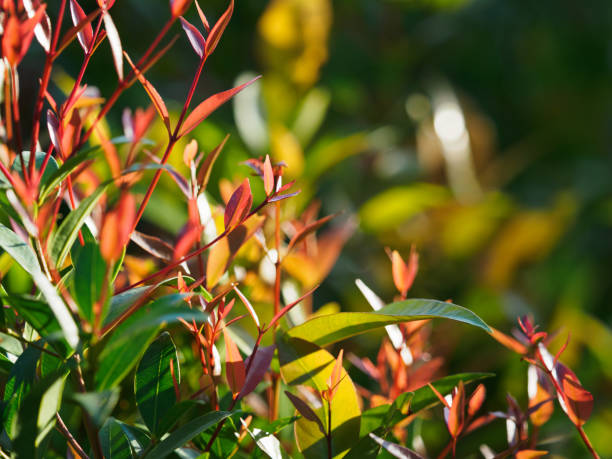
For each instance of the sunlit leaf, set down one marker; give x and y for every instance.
(329, 329)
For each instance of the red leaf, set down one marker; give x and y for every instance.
(202, 17)
(116, 227)
(53, 126)
(215, 34)
(202, 111)
(234, 365)
(195, 37)
(76, 30)
(578, 400)
(190, 236)
(11, 40)
(179, 7)
(335, 377)
(508, 341)
(85, 36)
(115, 43)
(248, 305)
(153, 245)
(257, 370)
(206, 168)
(302, 407)
(158, 102)
(308, 229)
(268, 176)
(238, 205)
(42, 30)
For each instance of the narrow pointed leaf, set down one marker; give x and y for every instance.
(195, 37)
(234, 365)
(115, 444)
(85, 35)
(115, 43)
(239, 205)
(308, 229)
(258, 369)
(215, 33)
(202, 111)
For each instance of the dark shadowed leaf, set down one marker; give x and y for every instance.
(89, 272)
(115, 444)
(259, 367)
(99, 405)
(186, 433)
(153, 384)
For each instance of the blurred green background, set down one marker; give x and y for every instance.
(477, 130)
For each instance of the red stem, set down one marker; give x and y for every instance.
(44, 84)
(171, 143)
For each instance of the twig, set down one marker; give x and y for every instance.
(68, 436)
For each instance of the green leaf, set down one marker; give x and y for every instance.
(51, 180)
(129, 341)
(99, 405)
(50, 169)
(302, 362)
(153, 384)
(23, 254)
(186, 433)
(36, 416)
(179, 411)
(41, 318)
(88, 279)
(20, 380)
(114, 442)
(66, 234)
(324, 330)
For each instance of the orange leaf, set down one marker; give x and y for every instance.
(530, 454)
(191, 150)
(202, 17)
(308, 229)
(268, 176)
(116, 227)
(477, 399)
(508, 341)
(578, 400)
(404, 274)
(238, 205)
(456, 411)
(158, 102)
(202, 111)
(215, 34)
(234, 365)
(179, 7)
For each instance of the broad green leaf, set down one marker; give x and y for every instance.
(99, 405)
(23, 254)
(36, 416)
(20, 380)
(50, 181)
(40, 317)
(88, 279)
(114, 442)
(179, 411)
(186, 433)
(302, 362)
(153, 384)
(50, 169)
(324, 330)
(138, 438)
(66, 234)
(129, 340)
(11, 344)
